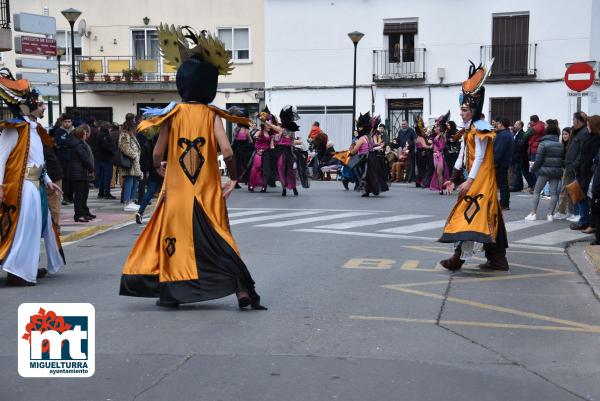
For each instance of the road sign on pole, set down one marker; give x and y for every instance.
(35, 46)
(579, 76)
(32, 23)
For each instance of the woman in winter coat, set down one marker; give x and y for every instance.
(594, 129)
(548, 168)
(81, 165)
(130, 147)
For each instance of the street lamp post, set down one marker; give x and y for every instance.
(355, 37)
(59, 54)
(71, 15)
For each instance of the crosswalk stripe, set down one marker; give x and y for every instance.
(364, 234)
(270, 217)
(415, 227)
(554, 237)
(372, 222)
(312, 219)
(248, 213)
(517, 225)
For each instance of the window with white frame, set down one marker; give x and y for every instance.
(237, 42)
(63, 41)
(145, 43)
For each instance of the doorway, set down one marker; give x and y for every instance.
(400, 110)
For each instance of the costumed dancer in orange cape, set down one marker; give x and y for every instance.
(24, 213)
(187, 253)
(476, 218)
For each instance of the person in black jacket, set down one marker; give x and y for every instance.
(503, 152)
(579, 135)
(62, 138)
(55, 172)
(519, 144)
(548, 168)
(81, 165)
(593, 124)
(583, 167)
(105, 153)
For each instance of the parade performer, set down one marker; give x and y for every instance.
(370, 169)
(256, 178)
(476, 218)
(242, 144)
(187, 253)
(440, 169)
(24, 213)
(286, 154)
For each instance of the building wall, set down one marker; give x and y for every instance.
(112, 20)
(314, 66)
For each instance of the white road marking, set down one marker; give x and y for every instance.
(248, 213)
(522, 224)
(415, 227)
(312, 219)
(270, 217)
(363, 234)
(372, 222)
(554, 237)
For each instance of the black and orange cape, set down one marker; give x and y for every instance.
(187, 253)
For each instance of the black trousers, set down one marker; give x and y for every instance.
(502, 184)
(66, 183)
(81, 190)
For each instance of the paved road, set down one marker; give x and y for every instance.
(359, 310)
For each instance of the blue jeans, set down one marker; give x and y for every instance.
(584, 212)
(151, 189)
(129, 188)
(105, 169)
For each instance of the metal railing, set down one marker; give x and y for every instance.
(4, 14)
(511, 61)
(396, 65)
(122, 69)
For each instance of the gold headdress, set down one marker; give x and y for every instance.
(175, 45)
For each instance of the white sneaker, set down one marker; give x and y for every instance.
(560, 216)
(573, 219)
(132, 207)
(549, 218)
(531, 217)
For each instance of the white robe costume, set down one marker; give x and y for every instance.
(24, 256)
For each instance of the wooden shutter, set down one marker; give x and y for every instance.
(509, 107)
(510, 44)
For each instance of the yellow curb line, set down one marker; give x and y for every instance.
(594, 256)
(88, 232)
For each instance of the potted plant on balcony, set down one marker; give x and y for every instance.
(106, 77)
(137, 74)
(80, 77)
(117, 78)
(127, 74)
(166, 78)
(91, 74)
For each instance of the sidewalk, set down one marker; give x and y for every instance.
(109, 214)
(587, 259)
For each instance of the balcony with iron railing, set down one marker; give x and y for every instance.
(126, 73)
(5, 29)
(397, 66)
(511, 62)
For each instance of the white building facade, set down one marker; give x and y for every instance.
(122, 35)
(414, 55)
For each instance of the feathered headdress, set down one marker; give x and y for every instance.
(363, 124)
(20, 97)
(175, 45)
(199, 59)
(239, 112)
(288, 116)
(473, 91)
(375, 121)
(442, 120)
(419, 124)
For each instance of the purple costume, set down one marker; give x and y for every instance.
(439, 144)
(256, 169)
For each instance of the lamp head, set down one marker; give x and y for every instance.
(355, 36)
(71, 15)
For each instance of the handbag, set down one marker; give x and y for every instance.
(575, 193)
(122, 160)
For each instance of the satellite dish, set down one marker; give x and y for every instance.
(81, 28)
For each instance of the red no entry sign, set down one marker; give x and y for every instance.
(579, 76)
